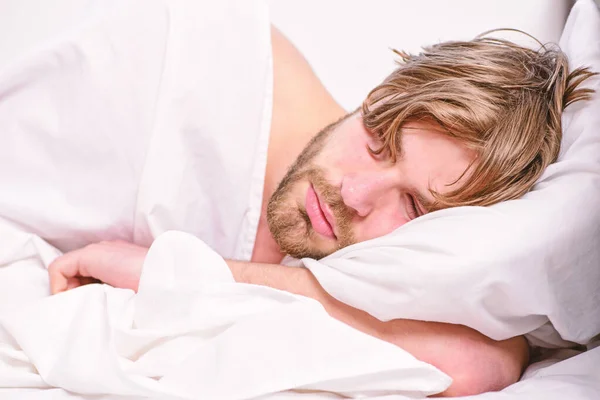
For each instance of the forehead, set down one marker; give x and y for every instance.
(429, 157)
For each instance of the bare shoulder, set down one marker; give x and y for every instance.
(300, 101)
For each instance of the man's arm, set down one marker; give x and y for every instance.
(475, 362)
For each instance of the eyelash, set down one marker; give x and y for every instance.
(413, 205)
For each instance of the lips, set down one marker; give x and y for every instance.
(319, 215)
(327, 213)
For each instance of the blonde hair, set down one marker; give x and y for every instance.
(500, 99)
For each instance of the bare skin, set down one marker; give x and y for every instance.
(302, 107)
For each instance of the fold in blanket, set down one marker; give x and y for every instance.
(190, 332)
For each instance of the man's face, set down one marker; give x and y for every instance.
(337, 193)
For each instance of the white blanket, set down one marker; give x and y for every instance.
(191, 332)
(146, 116)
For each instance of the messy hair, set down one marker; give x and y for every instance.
(502, 100)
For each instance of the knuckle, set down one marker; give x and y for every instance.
(55, 264)
(109, 243)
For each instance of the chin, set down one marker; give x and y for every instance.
(291, 227)
(312, 246)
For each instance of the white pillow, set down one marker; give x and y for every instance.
(508, 269)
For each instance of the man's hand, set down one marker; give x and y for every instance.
(116, 263)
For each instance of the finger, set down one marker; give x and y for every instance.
(73, 283)
(84, 280)
(77, 281)
(62, 269)
(58, 282)
(123, 244)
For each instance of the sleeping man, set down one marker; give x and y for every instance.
(463, 123)
(92, 128)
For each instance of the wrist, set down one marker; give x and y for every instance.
(238, 271)
(291, 279)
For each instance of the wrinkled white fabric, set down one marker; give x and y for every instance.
(525, 266)
(123, 127)
(145, 116)
(144, 99)
(190, 332)
(575, 378)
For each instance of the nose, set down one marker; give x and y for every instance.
(366, 190)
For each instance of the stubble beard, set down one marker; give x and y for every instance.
(287, 217)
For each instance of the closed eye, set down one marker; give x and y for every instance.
(422, 204)
(413, 210)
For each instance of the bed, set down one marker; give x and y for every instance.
(101, 342)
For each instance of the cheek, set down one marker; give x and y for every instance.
(379, 225)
